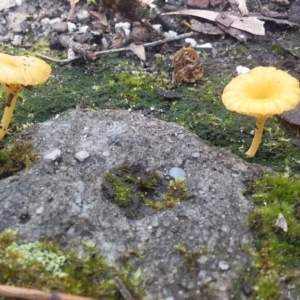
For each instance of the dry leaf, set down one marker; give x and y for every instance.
(242, 6)
(249, 24)
(101, 17)
(206, 28)
(72, 10)
(281, 222)
(138, 50)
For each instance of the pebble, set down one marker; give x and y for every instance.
(223, 265)
(83, 15)
(106, 153)
(177, 173)
(53, 155)
(39, 210)
(17, 40)
(71, 27)
(82, 155)
(196, 154)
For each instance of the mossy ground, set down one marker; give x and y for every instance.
(277, 250)
(43, 265)
(114, 82)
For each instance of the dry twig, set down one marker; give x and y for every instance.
(110, 51)
(23, 293)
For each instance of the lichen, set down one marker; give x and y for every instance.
(44, 265)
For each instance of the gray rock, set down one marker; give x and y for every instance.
(177, 173)
(83, 16)
(68, 203)
(60, 26)
(53, 155)
(17, 40)
(223, 265)
(82, 155)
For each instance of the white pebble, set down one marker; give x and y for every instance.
(82, 155)
(196, 154)
(53, 155)
(223, 265)
(242, 70)
(170, 34)
(106, 153)
(177, 173)
(190, 41)
(104, 43)
(207, 45)
(157, 27)
(71, 27)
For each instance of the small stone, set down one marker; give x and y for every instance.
(196, 154)
(55, 20)
(106, 153)
(202, 260)
(247, 289)
(53, 155)
(82, 155)
(177, 173)
(223, 265)
(83, 16)
(71, 27)
(45, 21)
(17, 41)
(190, 41)
(60, 26)
(39, 210)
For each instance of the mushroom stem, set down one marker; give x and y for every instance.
(260, 122)
(10, 104)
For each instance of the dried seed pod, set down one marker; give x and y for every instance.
(187, 65)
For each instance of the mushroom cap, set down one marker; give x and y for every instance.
(264, 91)
(23, 70)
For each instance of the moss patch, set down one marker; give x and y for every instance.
(43, 265)
(278, 251)
(16, 157)
(139, 192)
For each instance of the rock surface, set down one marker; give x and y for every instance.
(63, 199)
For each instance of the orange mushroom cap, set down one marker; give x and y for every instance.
(23, 70)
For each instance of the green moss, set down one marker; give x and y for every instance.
(121, 190)
(16, 157)
(43, 265)
(278, 251)
(133, 189)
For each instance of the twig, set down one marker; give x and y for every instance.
(123, 289)
(110, 51)
(60, 62)
(23, 293)
(147, 45)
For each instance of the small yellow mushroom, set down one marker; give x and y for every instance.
(17, 72)
(261, 93)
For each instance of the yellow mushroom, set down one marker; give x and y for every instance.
(17, 72)
(261, 93)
